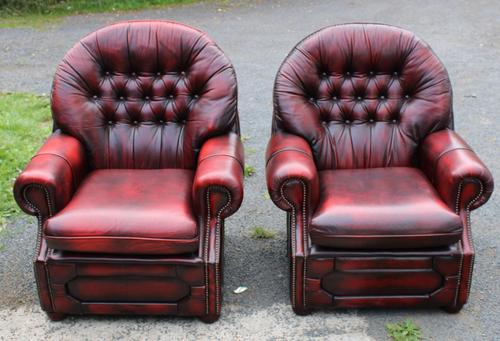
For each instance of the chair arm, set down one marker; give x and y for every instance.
(219, 172)
(459, 176)
(291, 173)
(49, 180)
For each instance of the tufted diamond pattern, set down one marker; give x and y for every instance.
(362, 95)
(145, 94)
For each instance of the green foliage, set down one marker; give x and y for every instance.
(259, 232)
(24, 124)
(404, 331)
(34, 12)
(245, 138)
(249, 171)
(3, 231)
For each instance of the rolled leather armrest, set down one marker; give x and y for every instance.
(291, 172)
(460, 177)
(220, 169)
(51, 177)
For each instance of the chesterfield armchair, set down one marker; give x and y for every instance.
(132, 188)
(376, 184)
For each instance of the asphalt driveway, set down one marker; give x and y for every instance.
(257, 35)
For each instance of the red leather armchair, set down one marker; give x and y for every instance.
(376, 184)
(132, 188)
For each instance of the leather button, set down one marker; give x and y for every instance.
(135, 122)
(407, 96)
(359, 98)
(324, 74)
(94, 97)
(347, 73)
(371, 73)
(158, 74)
(183, 121)
(162, 122)
(394, 121)
(110, 122)
(196, 96)
(133, 74)
(371, 120)
(170, 96)
(107, 73)
(183, 73)
(335, 98)
(147, 98)
(122, 98)
(395, 74)
(347, 121)
(382, 97)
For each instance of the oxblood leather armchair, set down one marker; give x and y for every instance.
(132, 188)
(376, 184)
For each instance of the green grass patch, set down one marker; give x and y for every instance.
(259, 232)
(249, 171)
(25, 122)
(36, 13)
(403, 331)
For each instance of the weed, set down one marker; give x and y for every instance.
(259, 232)
(249, 171)
(404, 331)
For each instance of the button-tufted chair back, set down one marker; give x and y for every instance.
(363, 95)
(145, 94)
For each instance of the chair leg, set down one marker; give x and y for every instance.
(209, 318)
(56, 316)
(301, 311)
(453, 309)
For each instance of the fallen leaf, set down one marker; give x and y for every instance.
(240, 290)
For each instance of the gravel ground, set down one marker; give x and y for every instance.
(257, 35)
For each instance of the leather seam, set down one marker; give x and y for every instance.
(293, 236)
(442, 154)
(217, 247)
(121, 238)
(39, 239)
(276, 153)
(469, 235)
(388, 236)
(67, 162)
(226, 155)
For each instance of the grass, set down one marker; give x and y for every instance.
(259, 232)
(249, 171)
(29, 13)
(403, 331)
(25, 123)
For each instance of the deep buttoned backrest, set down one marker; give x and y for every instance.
(145, 94)
(362, 95)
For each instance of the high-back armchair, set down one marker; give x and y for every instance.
(377, 185)
(132, 188)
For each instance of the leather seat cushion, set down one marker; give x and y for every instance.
(128, 211)
(381, 208)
